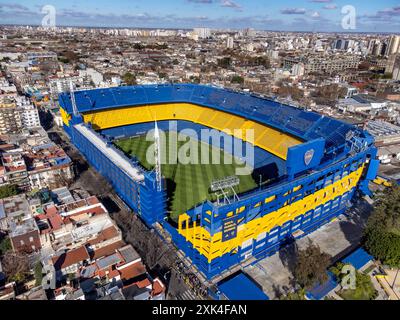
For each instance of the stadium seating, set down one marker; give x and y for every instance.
(304, 125)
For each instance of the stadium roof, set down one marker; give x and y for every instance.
(241, 287)
(358, 258)
(112, 154)
(297, 122)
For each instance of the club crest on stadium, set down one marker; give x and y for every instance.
(308, 156)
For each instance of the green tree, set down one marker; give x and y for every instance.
(382, 234)
(237, 79)
(297, 295)
(8, 191)
(129, 79)
(225, 62)
(5, 245)
(364, 289)
(311, 266)
(194, 79)
(15, 266)
(38, 271)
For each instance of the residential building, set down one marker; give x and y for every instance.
(203, 33)
(24, 235)
(10, 116)
(48, 166)
(328, 65)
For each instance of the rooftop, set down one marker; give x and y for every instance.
(129, 253)
(18, 228)
(248, 289)
(15, 206)
(70, 258)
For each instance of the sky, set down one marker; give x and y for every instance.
(285, 15)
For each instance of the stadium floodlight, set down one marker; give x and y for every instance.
(226, 183)
(73, 101)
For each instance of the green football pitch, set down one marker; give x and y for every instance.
(187, 184)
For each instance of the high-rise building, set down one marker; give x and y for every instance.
(394, 45)
(395, 67)
(249, 32)
(229, 43)
(17, 114)
(10, 117)
(203, 33)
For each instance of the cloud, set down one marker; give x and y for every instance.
(224, 3)
(293, 11)
(201, 1)
(330, 7)
(10, 10)
(384, 15)
(13, 6)
(315, 14)
(231, 4)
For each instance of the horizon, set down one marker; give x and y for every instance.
(212, 29)
(323, 16)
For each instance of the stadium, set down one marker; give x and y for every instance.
(307, 167)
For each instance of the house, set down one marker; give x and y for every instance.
(25, 236)
(124, 276)
(16, 219)
(69, 262)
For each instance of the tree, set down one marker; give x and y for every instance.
(297, 295)
(382, 234)
(5, 245)
(15, 266)
(329, 94)
(311, 266)
(364, 289)
(237, 79)
(225, 62)
(8, 191)
(293, 92)
(71, 56)
(129, 79)
(38, 271)
(194, 79)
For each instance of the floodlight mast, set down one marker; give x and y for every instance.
(73, 101)
(157, 157)
(226, 183)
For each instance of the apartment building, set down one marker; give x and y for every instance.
(16, 114)
(314, 64)
(48, 166)
(10, 116)
(13, 170)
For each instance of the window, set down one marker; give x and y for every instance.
(30, 239)
(261, 236)
(247, 244)
(22, 242)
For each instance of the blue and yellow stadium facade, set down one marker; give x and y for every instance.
(327, 163)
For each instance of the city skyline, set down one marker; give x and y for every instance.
(287, 15)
